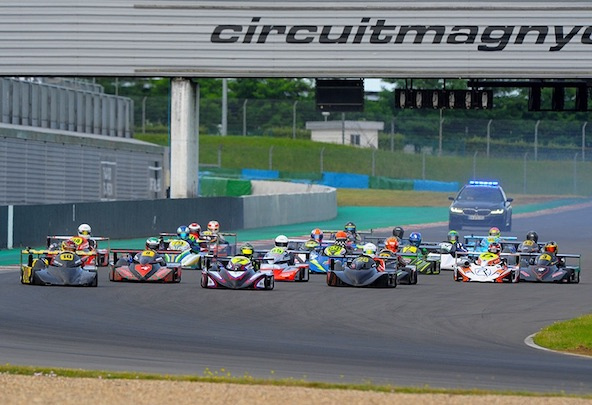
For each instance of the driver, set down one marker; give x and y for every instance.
(339, 248)
(315, 241)
(85, 232)
(551, 249)
(494, 236)
(454, 239)
(352, 233)
(152, 245)
(391, 249)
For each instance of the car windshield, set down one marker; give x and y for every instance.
(480, 194)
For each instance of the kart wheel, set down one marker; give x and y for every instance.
(304, 275)
(413, 277)
(515, 277)
(269, 283)
(456, 276)
(95, 282)
(204, 281)
(111, 274)
(576, 277)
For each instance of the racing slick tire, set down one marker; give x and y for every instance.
(269, 282)
(204, 280)
(304, 275)
(575, 277)
(95, 282)
(515, 276)
(456, 276)
(413, 277)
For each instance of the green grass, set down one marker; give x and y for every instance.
(517, 175)
(573, 336)
(223, 376)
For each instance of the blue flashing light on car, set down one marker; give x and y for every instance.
(483, 183)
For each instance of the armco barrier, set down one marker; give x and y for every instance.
(345, 180)
(257, 174)
(431, 185)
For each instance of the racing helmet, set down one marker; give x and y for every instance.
(69, 245)
(398, 232)
(415, 238)
(550, 247)
(152, 243)
(533, 236)
(317, 235)
(452, 236)
(246, 250)
(194, 227)
(369, 249)
(495, 232)
(350, 227)
(213, 226)
(392, 244)
(281, 241)
(183, 232)
(239, 263)
(495, 248)
(84, 230)
(340, 238)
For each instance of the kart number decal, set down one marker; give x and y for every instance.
(77, 240)
(66, 256)
(363, 259)
(546, 257)
(148, 253)
(277, 250)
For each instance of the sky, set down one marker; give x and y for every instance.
(376, 84)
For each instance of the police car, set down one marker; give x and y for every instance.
(481, 204)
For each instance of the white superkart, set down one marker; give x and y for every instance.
(487, 267)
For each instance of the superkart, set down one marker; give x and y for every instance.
(47, 267)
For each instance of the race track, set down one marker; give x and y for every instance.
(438, 333)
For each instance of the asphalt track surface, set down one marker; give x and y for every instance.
(438, 333)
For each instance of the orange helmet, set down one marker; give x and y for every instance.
(551, 247)
(391, 244)
(340, 235)
(316, 234)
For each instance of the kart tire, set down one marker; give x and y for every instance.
(515, 276)
(269, 283)
(305, 275)
(413, 277)
(455, 275)
(111, 276)
(576, 277)
(95, 282)
(204, 281)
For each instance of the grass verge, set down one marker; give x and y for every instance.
(573, 336)
(222, 376)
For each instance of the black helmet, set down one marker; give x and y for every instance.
(398, 232)
(533, 236)
(350, 227)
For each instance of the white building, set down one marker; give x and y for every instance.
(358, 133)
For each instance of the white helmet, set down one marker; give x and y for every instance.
(369, 248)
(84, 230)
(213, 226)
(194, 227)
(281, 241)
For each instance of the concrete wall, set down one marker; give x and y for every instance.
(141, 218)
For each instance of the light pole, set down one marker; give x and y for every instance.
(224, 124)
(245, 117)
(440, 134)
(294, 119)
(536, 140)
(584, 141)
(488, 136)
(144, 114)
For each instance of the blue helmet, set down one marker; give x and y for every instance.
(415, 238)
(183, 232)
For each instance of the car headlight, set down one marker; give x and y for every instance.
(497, 212)
(456, 210)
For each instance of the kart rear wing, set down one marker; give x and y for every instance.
(32, 254)
(474, 240)
(118, 253)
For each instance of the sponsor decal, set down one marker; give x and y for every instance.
(487, 38)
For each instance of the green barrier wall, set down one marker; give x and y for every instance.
(222, 187)
(386, 183)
